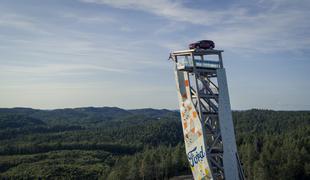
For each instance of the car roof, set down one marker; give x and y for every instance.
(205, 41)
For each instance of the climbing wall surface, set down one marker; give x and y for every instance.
(192, 129)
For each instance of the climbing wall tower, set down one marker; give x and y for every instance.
(206, 114)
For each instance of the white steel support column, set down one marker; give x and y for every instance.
(227, 130)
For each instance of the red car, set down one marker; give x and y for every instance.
(203, 44)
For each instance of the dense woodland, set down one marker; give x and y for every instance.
(113, 143)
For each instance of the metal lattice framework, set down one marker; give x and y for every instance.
(198, 80)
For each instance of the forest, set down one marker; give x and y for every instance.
(114, 143)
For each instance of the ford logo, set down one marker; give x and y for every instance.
(194, 156)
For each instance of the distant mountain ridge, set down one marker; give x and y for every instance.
(84, 115)
(108, 111)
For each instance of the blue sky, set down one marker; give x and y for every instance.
(73, 53)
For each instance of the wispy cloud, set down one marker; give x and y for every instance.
(264, 26)
(282, 29)
(58, 69)
(19, 22)
(82, 18)
(174, 10)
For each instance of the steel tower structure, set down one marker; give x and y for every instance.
(206, 114)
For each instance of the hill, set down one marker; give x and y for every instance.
(114, 143)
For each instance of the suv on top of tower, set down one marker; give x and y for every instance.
(203, 44)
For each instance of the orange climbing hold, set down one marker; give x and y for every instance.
(186, 83)
(195, 114)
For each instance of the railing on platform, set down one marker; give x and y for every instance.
(186, 63)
